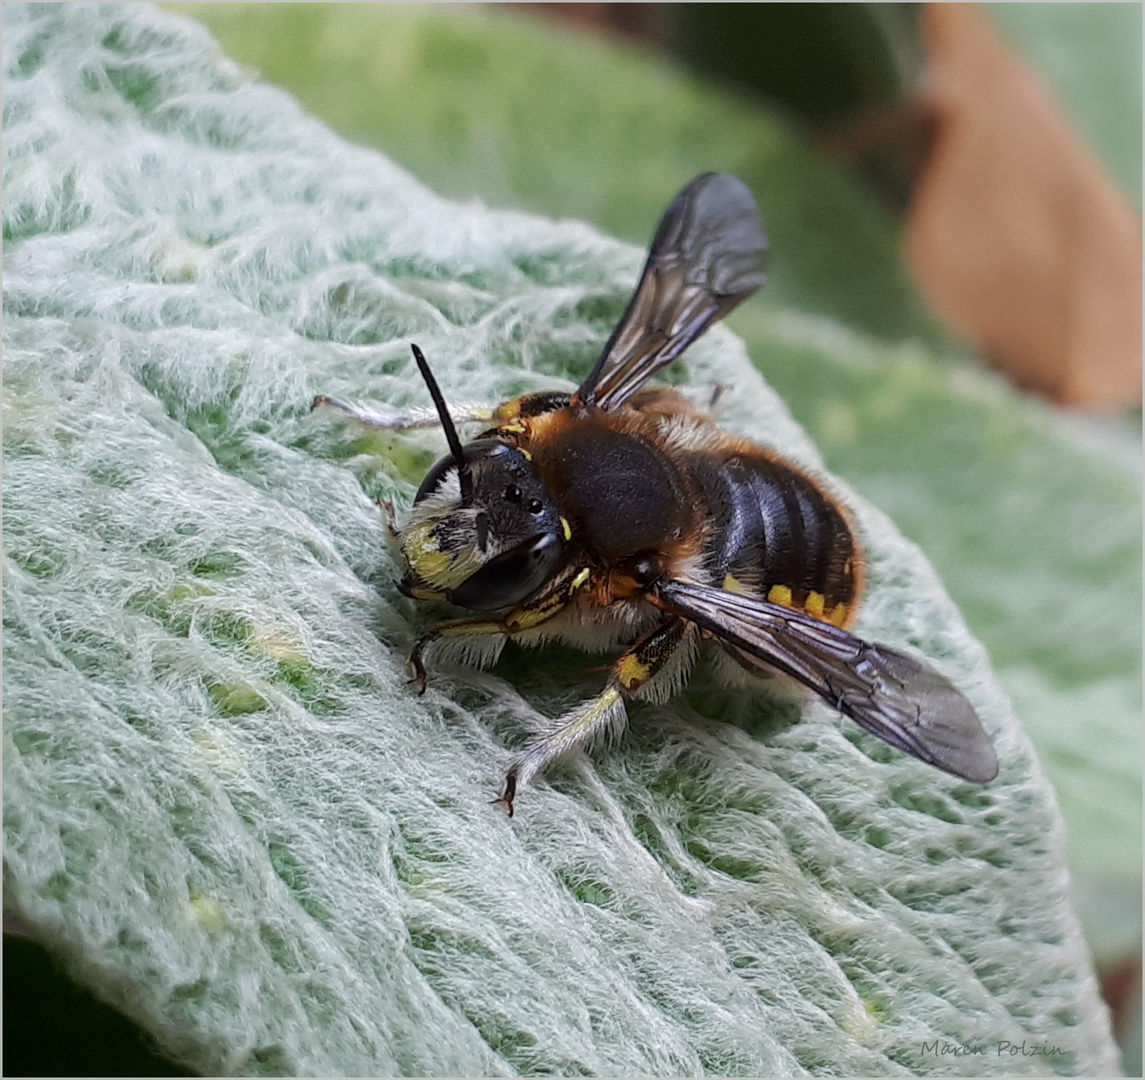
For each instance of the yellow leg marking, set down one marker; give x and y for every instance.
(599, 715)
(733, 584)
(780, 594)
(524, 618)
(814, 605)
(528, 617)
(508, 410)
(461, 629)
(566, 734)
(571, 733)
(427, 594)
(632, 673)
(598, 708)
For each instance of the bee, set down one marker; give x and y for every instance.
(620, 517)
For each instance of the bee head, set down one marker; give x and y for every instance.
(484, 532)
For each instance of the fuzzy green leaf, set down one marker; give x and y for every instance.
(225, 811)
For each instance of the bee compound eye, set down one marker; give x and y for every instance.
(513, 493)
(510, 577)
(435, 478)
(536, 506)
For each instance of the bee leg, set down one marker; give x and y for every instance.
(583, 724)
(718, 392)
(390, 512)
(388, 419)
(605, 713)
(540, 609)
(461, 629)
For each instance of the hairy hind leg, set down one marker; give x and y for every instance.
(419, 416)
(604, 714)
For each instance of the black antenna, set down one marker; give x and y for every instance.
(464, 474)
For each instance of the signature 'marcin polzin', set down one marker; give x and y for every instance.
(1002, 1048)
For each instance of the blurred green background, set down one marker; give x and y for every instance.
(1032, 517)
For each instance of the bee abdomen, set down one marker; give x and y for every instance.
(777, 534)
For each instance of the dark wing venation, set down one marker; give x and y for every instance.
(907, 704)
(707, 256)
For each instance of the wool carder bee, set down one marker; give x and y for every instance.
(620, 517)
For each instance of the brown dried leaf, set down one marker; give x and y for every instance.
(1016, 234)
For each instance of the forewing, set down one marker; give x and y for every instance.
(707, 256)
(909, 705)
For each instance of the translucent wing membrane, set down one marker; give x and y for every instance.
(707, 256)
(893, 696)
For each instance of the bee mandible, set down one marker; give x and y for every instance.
(620, 517)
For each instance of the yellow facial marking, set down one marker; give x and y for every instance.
(733, 584)
(814, 605)
(566, 526)
(436, 568)
(780, 594)
(632, 673)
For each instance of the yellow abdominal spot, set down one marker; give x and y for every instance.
(814, 604)
(733, 584)
(566, 526)
(839, 615)
(632, 673)
(780, 594)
